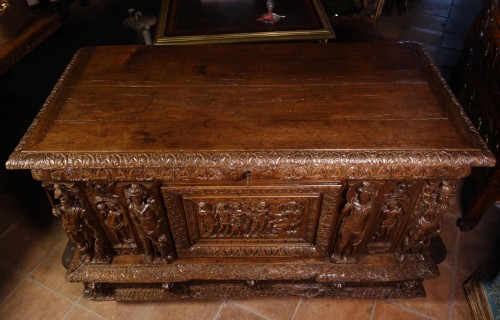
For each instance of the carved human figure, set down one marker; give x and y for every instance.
(287, 219)
(112, 216)
(80, 225)
(223, 215)
(436, 201)
(208, 221)
(148, 219)
(391, 211)
(354, 216)
(260, 218)
(237, 220)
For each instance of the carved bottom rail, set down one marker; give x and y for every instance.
(178, 291)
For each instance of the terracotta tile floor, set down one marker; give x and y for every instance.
(32, 284)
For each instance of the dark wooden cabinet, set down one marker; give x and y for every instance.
(213, 171)
(478, 91)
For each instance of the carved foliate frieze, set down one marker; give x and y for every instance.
(268, 251)
(354, 220)
(304, 172)
(297, 163)
(425, 224)
(80, 222)
(147, 215)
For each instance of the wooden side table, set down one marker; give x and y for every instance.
(37, 29)
(213, 171)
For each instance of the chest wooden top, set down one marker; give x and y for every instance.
(136, 107)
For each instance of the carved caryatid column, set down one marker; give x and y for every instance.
(80, 223)
(433, 203)
(149, 222)
(354, 218)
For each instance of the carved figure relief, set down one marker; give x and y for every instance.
(149, 222)
(354, 220)
(249, 219)
(112, 215)
(80, 223)
(433, 204)
(391, 212)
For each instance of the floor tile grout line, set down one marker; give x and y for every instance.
(297, 308)
(373, 310)
(50, 289)
(409, 310)
(78, 304)
(12, 226)
(46, 258)
(25, 278)
(258, 314)
(65, 315)
(141, 316)
(11, 269)
(453, 295)
(217, 314)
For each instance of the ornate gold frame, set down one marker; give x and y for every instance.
(324, 34)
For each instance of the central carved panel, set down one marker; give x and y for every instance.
(259, 221)
(255, 218)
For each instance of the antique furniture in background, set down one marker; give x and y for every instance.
(233, 21)
(482, 292)
(213, 171)
(22, 30)
(14, 14)
(478, 92)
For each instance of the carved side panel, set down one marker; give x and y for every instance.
(80, 222)
(425, 222)
(113, 219)
(266, 221)
(147, 215)
(355, 219)
(393, 215)
(108, 202)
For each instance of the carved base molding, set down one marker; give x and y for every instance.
(169, 281)
(178, 291)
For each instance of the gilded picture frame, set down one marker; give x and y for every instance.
(237, 21)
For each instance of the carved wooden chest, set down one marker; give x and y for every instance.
(202, 171)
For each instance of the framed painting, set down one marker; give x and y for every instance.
(235, 21)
